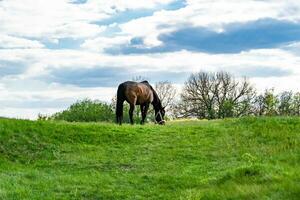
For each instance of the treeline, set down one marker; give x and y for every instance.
(203, 96)
(220, 95)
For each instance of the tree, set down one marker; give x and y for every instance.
(234, 99)
(198, 93)
(86, 111)
(267, 103)
(286, 103)
(296, 104)
(184, 109)
(216, 95)
(166, 93)
(259, 108)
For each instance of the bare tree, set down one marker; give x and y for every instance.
(166, 92)
(186, 109)
(234, 99)
(198, 93)
(217, 95)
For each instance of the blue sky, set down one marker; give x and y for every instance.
(55, 52)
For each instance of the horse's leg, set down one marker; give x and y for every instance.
(131, 113)
(119, 111)
(144, 113)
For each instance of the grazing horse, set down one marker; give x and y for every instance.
(138, 94)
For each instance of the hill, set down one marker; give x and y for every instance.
(247, 158)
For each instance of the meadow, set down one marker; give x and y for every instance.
(246, 158)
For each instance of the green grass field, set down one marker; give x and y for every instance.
(248, 158)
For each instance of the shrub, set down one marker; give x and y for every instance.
(86, 111)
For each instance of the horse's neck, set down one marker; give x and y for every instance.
(156, 101)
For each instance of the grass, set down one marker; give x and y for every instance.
(247, 158)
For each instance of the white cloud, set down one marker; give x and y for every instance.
(99, 44)
(46, 19)
(41, 60)
(280, 84)
(120, 5)
(15, 42)
(211, 14)
(60, 18)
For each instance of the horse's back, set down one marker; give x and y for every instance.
(138, 93)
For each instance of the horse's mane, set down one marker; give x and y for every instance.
(156, 100)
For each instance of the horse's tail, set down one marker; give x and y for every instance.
(120, 101)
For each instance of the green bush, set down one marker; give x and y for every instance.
(86, 111)
(96, 111)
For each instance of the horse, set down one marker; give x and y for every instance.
(138, 93)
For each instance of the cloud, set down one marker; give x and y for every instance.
(107, 76)
(47, 19)
(100, 44)
(91, 77)
(261, 34)
(8, 68)
(129, 4)
(234, 38)
(89, 69)
(210, 15)
(280, 84)
(175, 5)
(258, 72)
(10, 42)
(79, 1)
(127, 15)
(56, 19)
(293, 48)
(64, 43)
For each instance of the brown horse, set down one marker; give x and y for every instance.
(138, 94)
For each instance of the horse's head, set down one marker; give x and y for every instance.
(159, 116)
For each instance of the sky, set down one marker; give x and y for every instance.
(54, 52)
